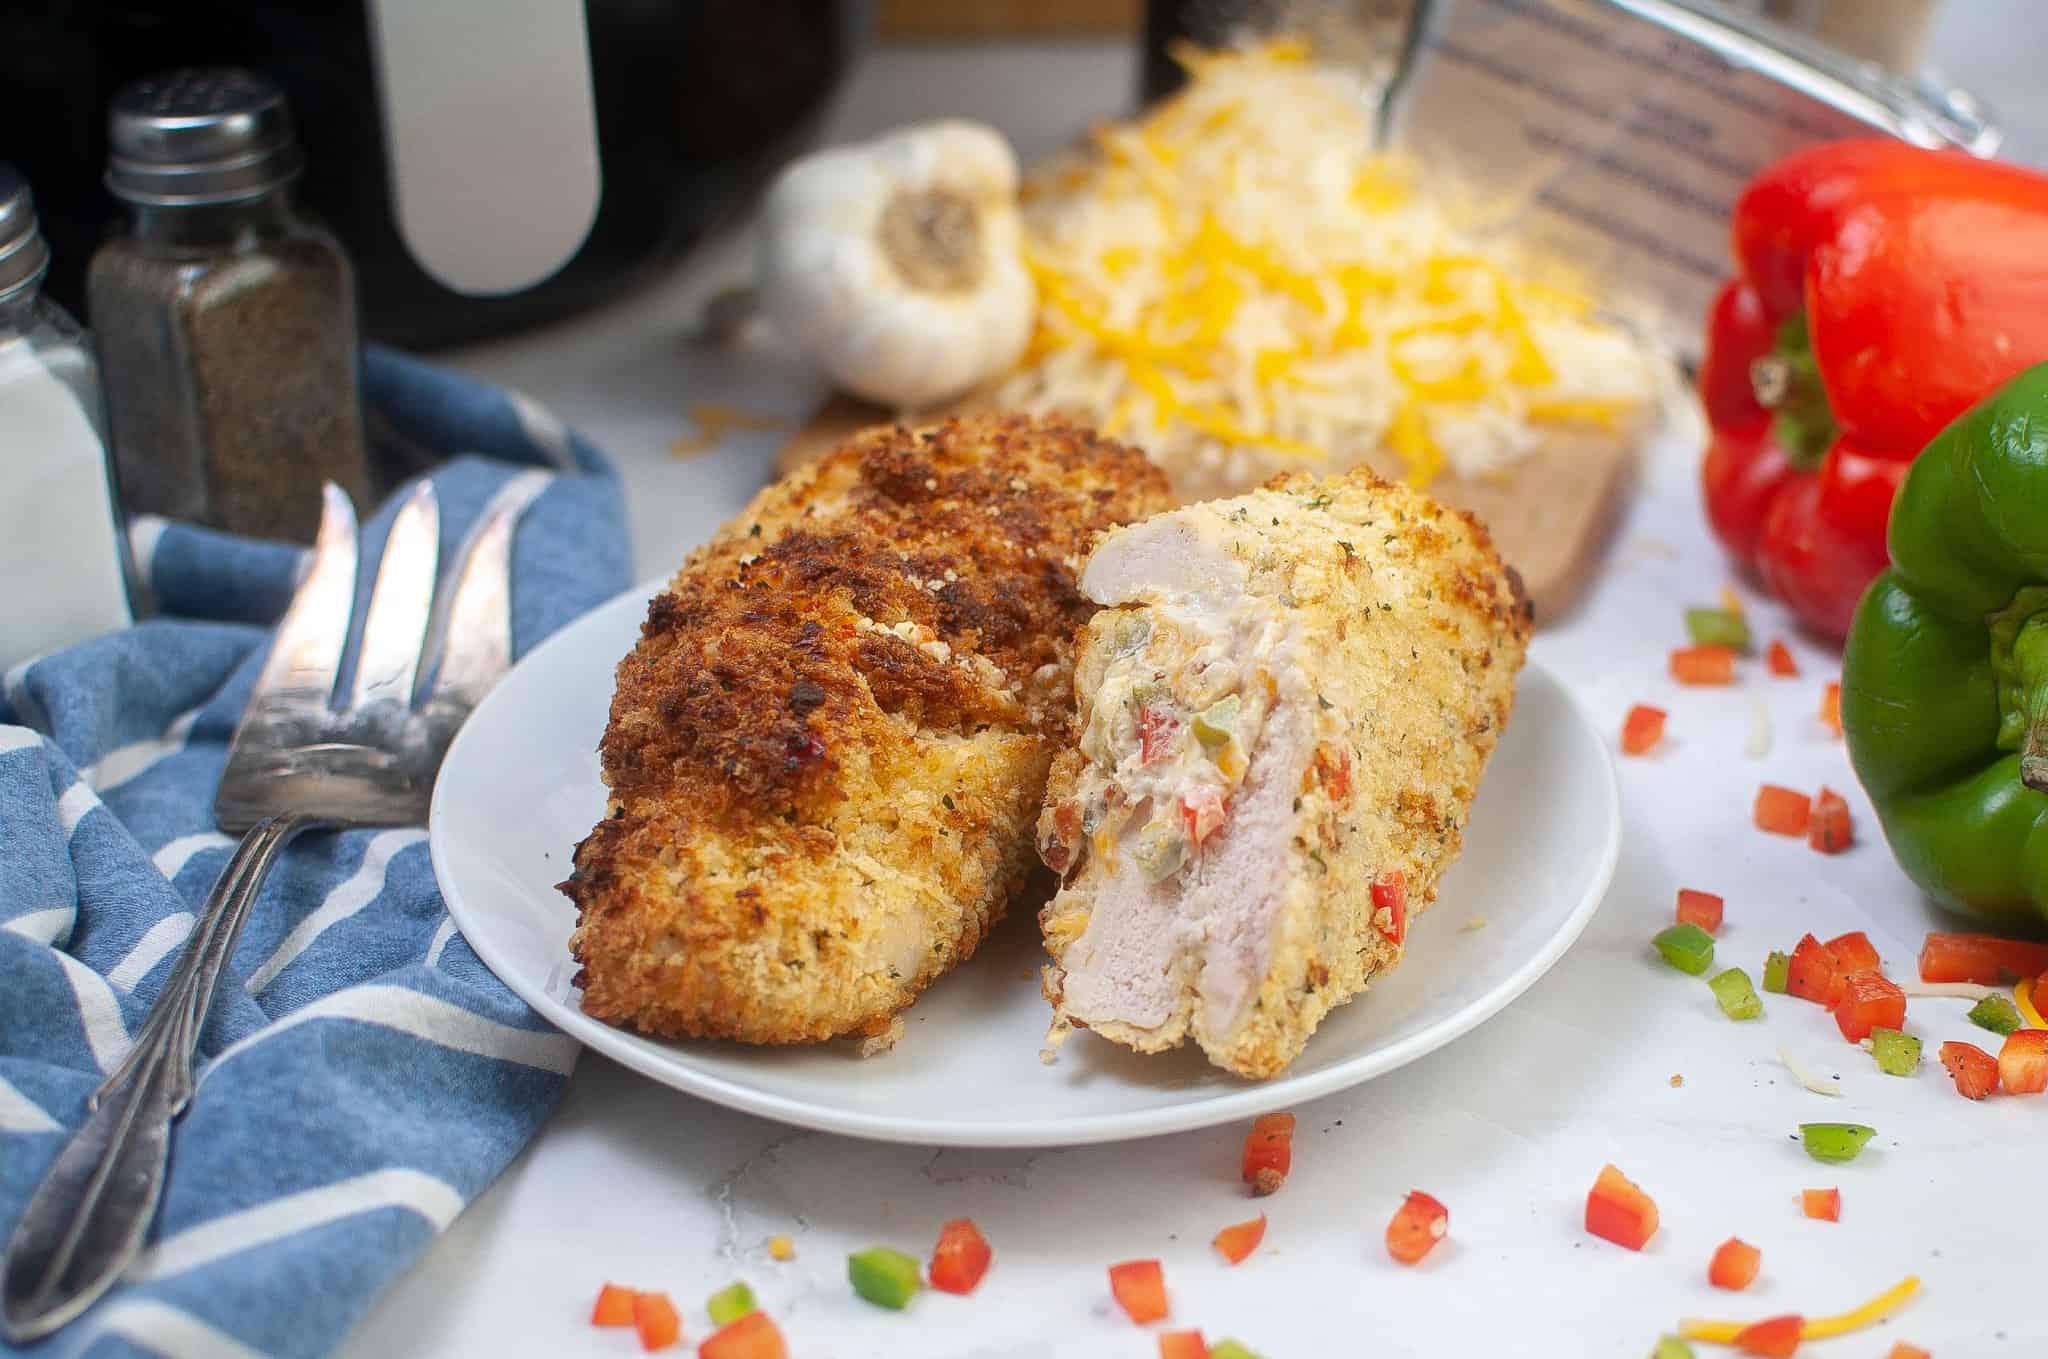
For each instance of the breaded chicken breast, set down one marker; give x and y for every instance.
(1284, 710)
(828, 748)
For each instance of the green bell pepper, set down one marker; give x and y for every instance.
(1945, 680)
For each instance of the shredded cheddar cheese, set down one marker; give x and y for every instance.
(1239, 283)
(1814, 1328)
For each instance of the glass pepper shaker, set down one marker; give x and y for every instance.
(64, 572)
(226, 321)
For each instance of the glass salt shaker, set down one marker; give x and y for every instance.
(64, 566)
(226, 321)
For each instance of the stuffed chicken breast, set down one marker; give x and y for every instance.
(1284, 709)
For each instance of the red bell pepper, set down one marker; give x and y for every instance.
(1974, 1070)
(1269, 1152)
(1773, 1338)
(1699, 908)
(1734, 1264)
(1140, 1289)
(1642, 729)
(1824, 1205)
(753, 1336)
(1814, 973)
(1619, 1211)
(1418, 1224)
(1855, 952)
(961, 1257)
(2023, 1062)
(1983, 958)
(1240, 1239)
(1879, 290)
(1869, 1001)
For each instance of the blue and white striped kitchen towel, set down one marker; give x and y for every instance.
(363, 1076)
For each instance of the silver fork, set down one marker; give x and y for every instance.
(299, 761)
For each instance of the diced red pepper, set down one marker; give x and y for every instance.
(1775, 1338)
(1825, 1205)
(1869, 1001)
(1734, 1265)
(1814, 973)
(1390, 894)
(1699, 908)
(1334, 772)
(1974, 1070)
(1158, 733)
(1779, 658)
(1418, 1224)
(654, 1316)
(1901, 1350)
(1618, 1211)
(1855, 953)
(1983, 958)
(1830, 831)
(1703, 665)
(1240, 1239)
(614, 1306)
(1182, 1345)
(753, 1336)
(960, 1258)
(1140, 1289)
(1831, 706)
(1782, 811)
(1202, 812)
(2023, 1062)
(1269, 1152)
(1642, 729)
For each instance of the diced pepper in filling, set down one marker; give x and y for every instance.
(1390, 894)
(1777, 972)
(1642, 729)
(1735, 995)
(1869, 1001)
(1686, 947)
(1830, 831)
(1269, 1152)
(2023, 1062)
(1834, 1143)
(1617, 1211)
(1897, 1054)
(1814, 973)
(1140, 1289)
(885, 1277)
(1734, 1264)
(1216, 725)
(1773, 1338)
(1158, 734)
(1160, 853)
(730, 1303)
(1822, 1204)
(1718, 628)
(1782, 811)
(1699, 908)
(1240, 1239)
(961, 1257)
(1703, 665)
(1418, 1224)
(1995, 1013)
(1855, 952)
(1974, 1070)
(1203, 812)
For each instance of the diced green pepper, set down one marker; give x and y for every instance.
(1230, 1349)
(1834, 1142)
(1777, 973)
(885, 1277)
(1687, 948)
(1898, 1054)
(1735, 995)
(1133, 630)
(1717, 627)
(730, 1303)
(1995, 1013)
(1215, 725)
(1161, 854)
(1671, 1347)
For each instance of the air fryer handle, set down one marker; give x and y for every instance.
(490, 132)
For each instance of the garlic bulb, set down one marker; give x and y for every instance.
(897, 265)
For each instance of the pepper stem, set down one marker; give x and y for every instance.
(1787, 383)
(2030, 664)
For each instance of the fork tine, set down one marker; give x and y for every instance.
(472, 638)
(387, 664)
(304, 660)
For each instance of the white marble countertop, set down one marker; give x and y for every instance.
(634, 1182)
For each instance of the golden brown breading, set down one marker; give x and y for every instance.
(1371, 638)
(826, 751)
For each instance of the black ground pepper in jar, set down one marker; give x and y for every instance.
(226, 321)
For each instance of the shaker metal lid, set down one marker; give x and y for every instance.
(23, 256)
(200, 135)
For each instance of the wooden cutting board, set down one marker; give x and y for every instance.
(1550, 520)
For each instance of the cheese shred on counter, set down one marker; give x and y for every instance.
(1239, 284)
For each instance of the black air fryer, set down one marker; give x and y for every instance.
(488, 165)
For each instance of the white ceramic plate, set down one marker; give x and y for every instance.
(521, 787)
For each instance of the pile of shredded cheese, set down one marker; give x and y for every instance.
(1239, 284)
